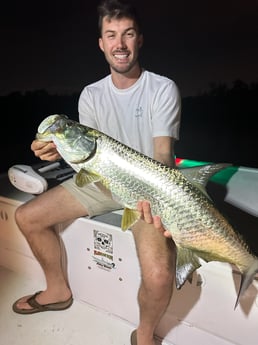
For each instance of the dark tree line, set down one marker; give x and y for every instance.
(218, 125)
(221, 125)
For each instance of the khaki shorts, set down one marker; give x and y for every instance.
(96, 199)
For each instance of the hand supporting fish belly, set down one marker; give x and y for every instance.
(198, 229)
(144, 208)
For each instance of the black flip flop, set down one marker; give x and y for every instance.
(38, 308)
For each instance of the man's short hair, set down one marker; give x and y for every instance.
(117, 9)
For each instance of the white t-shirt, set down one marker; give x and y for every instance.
(151, 107)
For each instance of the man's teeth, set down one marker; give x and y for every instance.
(121, 56)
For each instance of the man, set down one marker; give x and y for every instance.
(142, 110)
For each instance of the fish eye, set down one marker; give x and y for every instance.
(69, 123)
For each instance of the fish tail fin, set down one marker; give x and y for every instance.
(246, 279)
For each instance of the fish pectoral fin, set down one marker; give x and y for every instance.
(186, 263)
(129, 218)
(84, 177)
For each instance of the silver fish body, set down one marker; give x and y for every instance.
(198, 229)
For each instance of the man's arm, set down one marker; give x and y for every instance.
(164, 150)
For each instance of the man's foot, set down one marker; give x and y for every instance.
(32, 306)
(134, 339)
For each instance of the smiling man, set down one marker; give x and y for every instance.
(120, 41)
(141, 109)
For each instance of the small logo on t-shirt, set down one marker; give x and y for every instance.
(139, 112)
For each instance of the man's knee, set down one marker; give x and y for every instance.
(18, 215)
(159, 277)
(21, 218)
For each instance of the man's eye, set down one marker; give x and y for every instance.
(130, 34)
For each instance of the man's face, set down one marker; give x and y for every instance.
(120, 43)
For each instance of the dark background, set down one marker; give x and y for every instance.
(49, 52)
(53, 45)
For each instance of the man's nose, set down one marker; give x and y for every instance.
(121, 42)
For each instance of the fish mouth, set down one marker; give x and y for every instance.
(60, 129)
(48, 122)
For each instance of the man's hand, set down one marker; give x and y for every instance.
(45, 150)
(145, 209)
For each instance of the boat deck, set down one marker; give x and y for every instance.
(82, 324)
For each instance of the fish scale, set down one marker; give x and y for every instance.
(199, 208)
(198, 229)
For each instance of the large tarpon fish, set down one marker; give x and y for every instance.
(198, 229)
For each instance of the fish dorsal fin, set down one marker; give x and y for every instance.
(200, 175)
(186, 263)
(84, 177)
(129, 218)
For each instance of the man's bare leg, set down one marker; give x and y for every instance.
(157, 259)
(37, 220)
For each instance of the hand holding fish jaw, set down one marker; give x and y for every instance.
(45, 150)
(145, 209)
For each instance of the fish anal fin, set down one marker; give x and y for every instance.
(129, 218)
(190, 278)
(186, 263)
(84, 177)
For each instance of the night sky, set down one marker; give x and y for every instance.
(53, 45)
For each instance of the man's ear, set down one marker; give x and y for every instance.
(101, 44)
